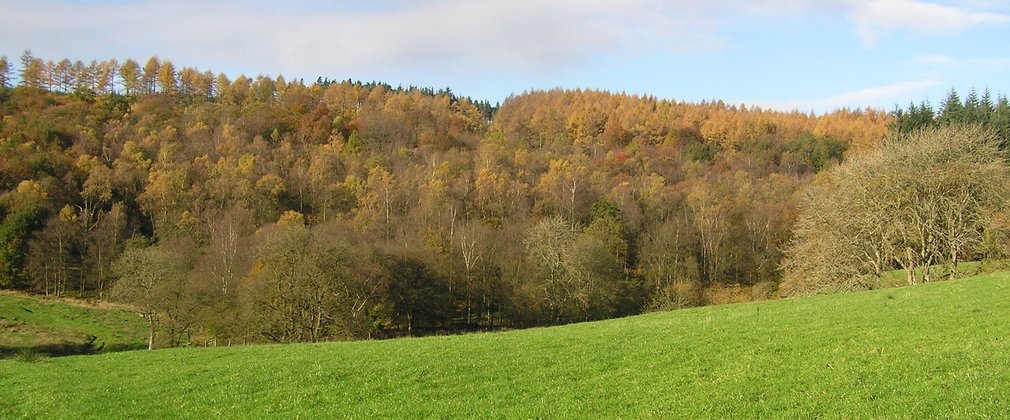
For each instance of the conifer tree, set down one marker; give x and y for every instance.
(31, 70)
(130, 73)
(5, 72)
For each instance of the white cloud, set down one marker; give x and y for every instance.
(438, 35)
(877, 97)
(518, 35)
(876, 17)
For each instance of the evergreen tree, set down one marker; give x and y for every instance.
(952, 111)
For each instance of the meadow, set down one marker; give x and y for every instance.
(35, 326)
(938, 349)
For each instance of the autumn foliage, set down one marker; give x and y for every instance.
(341, 209)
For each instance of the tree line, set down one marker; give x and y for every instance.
(253, 210)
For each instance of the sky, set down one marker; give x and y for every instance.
(805, 55)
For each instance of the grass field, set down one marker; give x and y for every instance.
(57, 328)
(939, 272)
(940, 349)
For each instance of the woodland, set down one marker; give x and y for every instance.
(247, 210)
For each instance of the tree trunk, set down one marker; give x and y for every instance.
(909, 266)
(150, 334)
(953, 263)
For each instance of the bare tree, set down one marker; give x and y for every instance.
(919, 200)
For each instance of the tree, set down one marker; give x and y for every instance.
(5, 72)
(105, 77)
(14, 236)
(417, 296)
(670, 268)
(146, 276)
(31, 70)
(226, 258)
(167, 78)
(24, 211)
(149, 76)
(377, 200)
(303, 287)
(103, 246)
(547, 244)
(130, 74)
(84, 76)
(55, 254)
(921, 199)
(64, 77)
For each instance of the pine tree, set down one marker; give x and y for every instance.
(953, 110)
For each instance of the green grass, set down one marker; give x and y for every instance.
(30, 325)
(939, 272)
(939, 349)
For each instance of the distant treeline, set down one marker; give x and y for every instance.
(981, 109)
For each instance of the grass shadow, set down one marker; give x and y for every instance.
(66, 348)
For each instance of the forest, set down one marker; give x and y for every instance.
(248, 210)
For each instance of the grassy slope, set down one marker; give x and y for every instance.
(941, 348)
(939, 272)
(31, 323)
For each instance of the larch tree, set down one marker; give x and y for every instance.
(149, 75)
(105, 77)
(129, 73)
(31, 70)
(64, 75)
(166, 78)
(5, 72)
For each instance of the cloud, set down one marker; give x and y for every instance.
(876, 17)
(877, 97)
(439, 35)
(531, 36)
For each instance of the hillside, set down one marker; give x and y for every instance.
(60, 327)
(928, 350)
(648, 203)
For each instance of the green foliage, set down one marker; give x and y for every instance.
(953, 111)
(353, 145)
(849, 355)
(604, 208)
(817, 152)
(14, 234)
(700, 152)
(418, 297)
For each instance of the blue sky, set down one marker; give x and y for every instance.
(808, 55)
